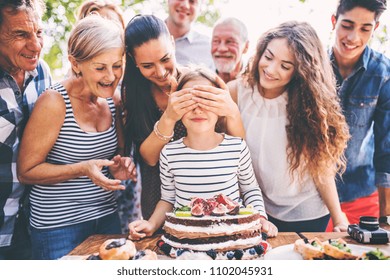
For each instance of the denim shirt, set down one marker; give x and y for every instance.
(365, 100)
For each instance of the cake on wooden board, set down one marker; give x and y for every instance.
(217, 227)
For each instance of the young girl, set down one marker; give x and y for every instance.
(295, 128)
(203, 164)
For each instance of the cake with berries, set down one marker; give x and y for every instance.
(217, 228)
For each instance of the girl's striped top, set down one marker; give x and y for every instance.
(227, 169)
(79, 199)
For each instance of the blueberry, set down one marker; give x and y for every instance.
(259, 249)
(264, 236)
(116, 243)
(179, 252)
(166, 248)
(94, 257)
(139, 255)
(212, 254)
(238, 254)
(230, 255)
(252, 251)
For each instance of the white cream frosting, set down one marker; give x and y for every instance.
(223, 228)
(215, 246)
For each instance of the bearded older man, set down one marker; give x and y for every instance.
(229, 44)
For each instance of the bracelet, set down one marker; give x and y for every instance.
(160, 135)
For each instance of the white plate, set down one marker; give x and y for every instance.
(286, 252)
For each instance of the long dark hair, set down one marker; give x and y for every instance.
(140, 109)
(317, 132)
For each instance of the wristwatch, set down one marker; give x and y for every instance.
(384, 219)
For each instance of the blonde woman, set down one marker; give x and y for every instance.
(72, 143)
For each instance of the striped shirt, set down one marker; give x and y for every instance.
(186, 173)
(76, 200)
(15, 109)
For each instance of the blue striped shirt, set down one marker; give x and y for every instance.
(76, 200)
(186, 173)
(15, 109)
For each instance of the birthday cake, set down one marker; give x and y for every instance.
(216, 228)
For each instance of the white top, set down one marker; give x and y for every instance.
(265, 122)
(186, 173)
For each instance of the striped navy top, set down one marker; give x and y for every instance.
(79, 199)
(227, 169)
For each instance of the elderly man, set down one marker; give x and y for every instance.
(229, 43)
(191, 46)
(22, 78)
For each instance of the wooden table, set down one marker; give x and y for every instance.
(91, 244)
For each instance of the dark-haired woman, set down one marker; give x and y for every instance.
(153, 108)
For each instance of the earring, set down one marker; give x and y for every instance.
(79, 74)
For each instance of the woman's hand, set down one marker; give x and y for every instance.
(341, 227)
(269, 228)
(123, 168)
(140, 229)
(341, 224)
(92, 169)
(179, 102)
(216, 100)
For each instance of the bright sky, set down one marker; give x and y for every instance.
(260, 15)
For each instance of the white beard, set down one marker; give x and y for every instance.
(225, 67)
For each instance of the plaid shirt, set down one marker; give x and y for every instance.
(15, 109)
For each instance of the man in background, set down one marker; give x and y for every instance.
(23, 76)
(228, 45)
(191, 46)
(363, 80)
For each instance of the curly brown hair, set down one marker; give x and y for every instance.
(317, 132)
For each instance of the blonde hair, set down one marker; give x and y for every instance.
(91, 6)
(317, 132)
(93, 36)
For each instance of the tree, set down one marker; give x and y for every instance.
(60, 17)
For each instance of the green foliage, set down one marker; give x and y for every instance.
(59, 19)
(61, 15)
(210, 12)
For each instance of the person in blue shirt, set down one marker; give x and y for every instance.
(23, 76)
(364, 89)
